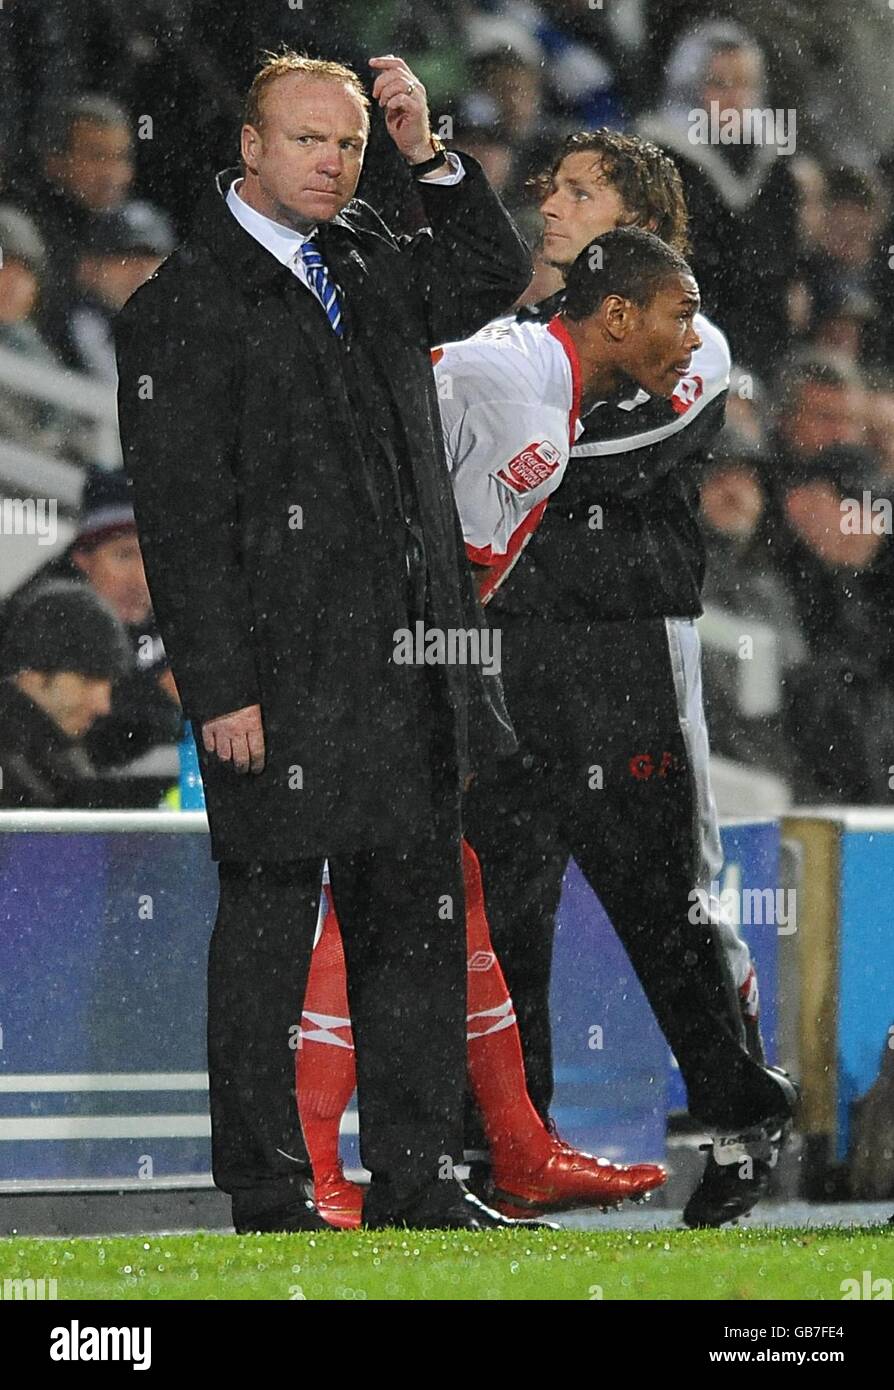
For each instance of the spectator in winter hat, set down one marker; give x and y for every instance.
(105, 557)
(121, 250)
(58, 658)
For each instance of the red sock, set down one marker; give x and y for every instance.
(324, 1063)
(496, 1066)
(325, 1071)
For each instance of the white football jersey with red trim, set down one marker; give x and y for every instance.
(509, 399)
(506, 397)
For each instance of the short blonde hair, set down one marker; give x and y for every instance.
(286, 62)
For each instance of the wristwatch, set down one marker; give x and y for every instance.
(429, 166)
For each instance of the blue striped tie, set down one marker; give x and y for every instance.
(322, 286)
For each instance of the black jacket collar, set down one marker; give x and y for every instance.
(246, 258)
(543, 311)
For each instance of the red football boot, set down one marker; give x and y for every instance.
(567, 1179)
(338, 1201)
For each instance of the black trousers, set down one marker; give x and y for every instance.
(603, 774)
(402, 918)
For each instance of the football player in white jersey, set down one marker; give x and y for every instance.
(600, 666)
(512, 395)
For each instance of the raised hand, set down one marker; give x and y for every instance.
(405, 103)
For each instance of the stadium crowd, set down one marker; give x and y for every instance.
(112, 117)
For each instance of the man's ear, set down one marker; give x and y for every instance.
(616, 316)
(249, 140)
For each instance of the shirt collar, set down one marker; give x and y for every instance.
(281, 241)
(556, 327)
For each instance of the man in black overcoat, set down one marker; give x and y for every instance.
(280, 424)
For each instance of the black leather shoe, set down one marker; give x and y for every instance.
(727, 1191)
(298, 1215)
(453, 1210)
(740, 1166)
(480, 1181)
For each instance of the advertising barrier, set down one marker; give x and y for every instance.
(104, 924)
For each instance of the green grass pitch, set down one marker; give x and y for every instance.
(748, 1264)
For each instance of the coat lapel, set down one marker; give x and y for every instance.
(244, 257)
(371, 315)
(351, 271)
